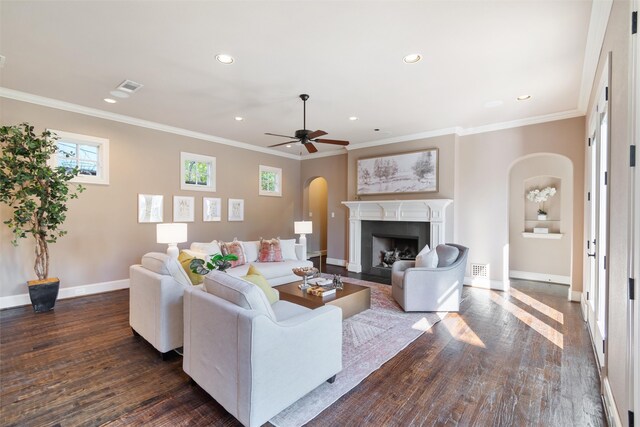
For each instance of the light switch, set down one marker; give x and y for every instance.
(310, 214)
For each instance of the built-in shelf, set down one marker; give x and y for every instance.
(528, 235)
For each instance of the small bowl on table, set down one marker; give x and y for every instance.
(305, 273)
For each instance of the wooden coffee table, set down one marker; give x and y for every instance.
(352, 299)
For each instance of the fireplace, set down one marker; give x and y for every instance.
(383, 242)
(431, 215)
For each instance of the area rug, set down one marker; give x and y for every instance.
(369, 340)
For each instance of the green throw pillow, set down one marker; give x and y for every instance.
(254, 276)
(185, 259)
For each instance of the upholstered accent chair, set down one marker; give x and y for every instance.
(255, 358)
(432, 288)
(156, 287)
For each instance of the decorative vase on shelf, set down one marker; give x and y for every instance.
(542, 217)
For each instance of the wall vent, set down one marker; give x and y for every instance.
(129, 86)
(480, 270)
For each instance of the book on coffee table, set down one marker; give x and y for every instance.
(320, 291)
(319, 281)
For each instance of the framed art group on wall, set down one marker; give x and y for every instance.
(414, 172)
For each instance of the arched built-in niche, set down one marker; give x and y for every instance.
(315, 202)
(541, 256)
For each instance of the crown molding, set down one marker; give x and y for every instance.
(331, 153)
(107, 115)
(562, 115)
(404, 138)
(600, 11)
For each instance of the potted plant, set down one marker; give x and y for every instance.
(38, 195)
(216, 262)
(540, 196)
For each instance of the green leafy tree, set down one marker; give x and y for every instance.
(37, 193)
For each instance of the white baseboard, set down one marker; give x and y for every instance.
(483, 283)
(610, 405)
(540, 277)
(74, 291)
(354, 268)
(335, 261)
(575, 296)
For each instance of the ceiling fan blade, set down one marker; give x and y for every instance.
(332, 141)
(316, 134)
(284, 136)
(310, 147)
(282, 143)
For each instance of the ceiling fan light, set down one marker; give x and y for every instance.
(412, 58)
(224, 58)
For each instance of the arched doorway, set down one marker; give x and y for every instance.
(541, 224)
(315, 209)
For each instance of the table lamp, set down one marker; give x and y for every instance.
(303, 228)
(172, 234)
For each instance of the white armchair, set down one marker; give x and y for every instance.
(253, 358)
(429, 289)
(156, 288)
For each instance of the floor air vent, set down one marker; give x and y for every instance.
(480, 270)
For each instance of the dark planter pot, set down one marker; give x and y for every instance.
(43, 294)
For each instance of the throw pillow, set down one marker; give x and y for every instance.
(270, 251)
(427, 260)
(288, 247)
(251, 250)
(207, 248)
(235, 248)
(447, 255)
(185, 259)
(254, 276)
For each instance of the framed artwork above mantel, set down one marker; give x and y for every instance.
(412, 172)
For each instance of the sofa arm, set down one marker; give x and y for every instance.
(400, 266)
(301, 251)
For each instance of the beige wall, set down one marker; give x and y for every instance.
(617, 41)
(104, 236)
(483, 162)
(334, 170)
(542, 256)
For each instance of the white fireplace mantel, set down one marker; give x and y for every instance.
(427, 210)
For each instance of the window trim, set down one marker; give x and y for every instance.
(102, 177)
(278, 172)
(184, 156)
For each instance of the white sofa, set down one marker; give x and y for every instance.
(156, 288)
(253, 358)
(276, 273)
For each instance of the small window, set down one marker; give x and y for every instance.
(270, 181)
(198, 172)
(89, 154)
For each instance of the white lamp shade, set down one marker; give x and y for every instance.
(302, 227)
(171, 233)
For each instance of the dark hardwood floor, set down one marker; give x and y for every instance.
(518, 359)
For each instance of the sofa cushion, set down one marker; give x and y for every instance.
(164, 264)
(238, 292)
(185, 259)
(288, 247)
(251, 250)
(254, 276)
(427, 260)
(236, 249)
(270, 251)
(447, 255)
(211, 248)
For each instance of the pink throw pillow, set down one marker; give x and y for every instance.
(235, 248)
(270, 251)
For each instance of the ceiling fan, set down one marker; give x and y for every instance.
(305, 136)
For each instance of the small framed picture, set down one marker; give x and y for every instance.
(236, 209)
(211, 209)
(150, 207)
(183, 209)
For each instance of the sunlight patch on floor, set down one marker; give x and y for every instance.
(527, 318)
(424, 325)
(461, 331)
(537, 305)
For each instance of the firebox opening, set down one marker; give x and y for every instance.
(387, 249)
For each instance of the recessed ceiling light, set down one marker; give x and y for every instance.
(523, 97)
(119, 94)
(224, 58)
(238, 118)
(288, 145)
(412, 58)
(110, 101)
(353, 118)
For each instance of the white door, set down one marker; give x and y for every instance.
(598, 165)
